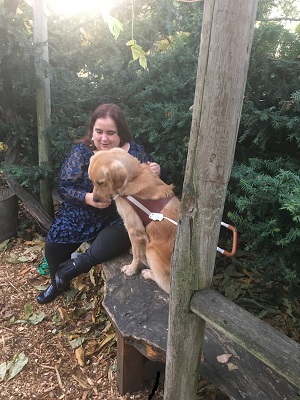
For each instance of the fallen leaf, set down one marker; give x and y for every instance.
(92, 276)
(3, 245)
(34, 248)
(81, 382)
(202, 358)
(231, 366)
(90, 381)
(78, 283)
(76, 342)
(223, 358)
(36, 318)
(28, 310)
(107, 340)
(3, 369)
(24, 271)
(64, 314)
(16, 365)
(79, 353)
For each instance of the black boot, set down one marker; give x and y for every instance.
(49, 294)
(67, 271)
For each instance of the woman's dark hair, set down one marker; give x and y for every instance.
(108, 110)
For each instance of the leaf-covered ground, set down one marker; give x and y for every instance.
(64, 350)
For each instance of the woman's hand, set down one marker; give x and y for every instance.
(89, 200)
(155, 168)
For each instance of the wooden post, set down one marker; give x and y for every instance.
(226, 37)
(43, 100)
(130, 365)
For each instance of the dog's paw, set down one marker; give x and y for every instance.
(147, 274)
(129, 270)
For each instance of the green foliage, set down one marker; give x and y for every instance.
(263, 194)
(271, 108)
(266, 198)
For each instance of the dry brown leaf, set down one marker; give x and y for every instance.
(223, 358)
(110, 375)
(81, 382)
(92, 276)
(79, 353)
(64, 314)
(202, 358)
(58, 378)
(231, 366)
(24, 271)
(90, 381)
(107, 340)
(78, 283)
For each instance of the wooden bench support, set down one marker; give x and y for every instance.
(138, 310)
(134, 369)
(130, 367)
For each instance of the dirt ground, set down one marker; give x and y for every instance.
(63, 350)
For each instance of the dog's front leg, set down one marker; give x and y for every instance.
(139, 241)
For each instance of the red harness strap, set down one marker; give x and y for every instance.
(154, 206)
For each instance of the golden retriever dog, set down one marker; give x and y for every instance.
(115, 173)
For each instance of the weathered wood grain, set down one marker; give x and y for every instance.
(226, 38)
(139, 312)
(272, 347)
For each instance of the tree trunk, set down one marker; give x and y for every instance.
(226, 38)
(43, 101)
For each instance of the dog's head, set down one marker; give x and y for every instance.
(108, 175)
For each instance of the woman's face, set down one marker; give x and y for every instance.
(105, 134)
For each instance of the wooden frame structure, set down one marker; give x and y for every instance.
(267, 362)
(226, 39)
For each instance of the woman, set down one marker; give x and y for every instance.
(79, 219)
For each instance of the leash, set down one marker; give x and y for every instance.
(159, 217)
(152, 215)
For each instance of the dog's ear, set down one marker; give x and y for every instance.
(118, 174)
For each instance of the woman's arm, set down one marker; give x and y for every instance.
(138, 151)
(73, 179)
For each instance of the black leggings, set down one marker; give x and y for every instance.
(111, 242)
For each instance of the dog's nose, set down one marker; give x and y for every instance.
(96, 200)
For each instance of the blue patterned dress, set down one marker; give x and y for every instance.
(75, 221)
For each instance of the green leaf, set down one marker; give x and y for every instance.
(137, 51)
(143, 62)
(114, 25)
(3, 369)
(130, 42)
(28, 310)
(76, 342)
(35, 319)
(3, 245)
(16, 365)
(23, 259)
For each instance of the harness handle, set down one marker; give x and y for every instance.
(234, 241)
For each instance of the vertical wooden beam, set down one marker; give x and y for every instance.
(130, 367)
(226, 38)
(43, 98)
